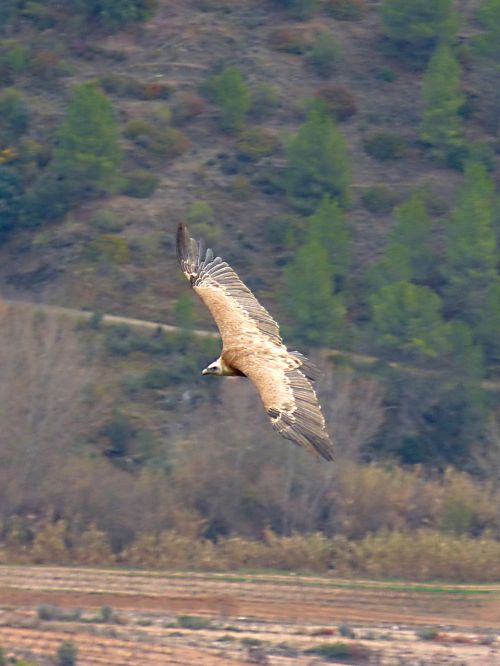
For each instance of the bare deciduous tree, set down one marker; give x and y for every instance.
(43, 376)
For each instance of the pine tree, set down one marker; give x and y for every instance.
(471, 254)
(231, 93)
(318, 314)
(329, 225)
(489, 17)
(412, 231)
(407, 318)
(88, 154)
(318, 164)
(415, 28)
(441, 123)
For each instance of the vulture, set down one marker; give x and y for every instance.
(253, 348)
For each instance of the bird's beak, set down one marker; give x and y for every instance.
(204, 372)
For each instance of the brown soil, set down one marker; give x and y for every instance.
(250, 619)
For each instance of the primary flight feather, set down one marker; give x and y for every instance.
(253, 348)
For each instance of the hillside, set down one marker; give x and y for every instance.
(342, 155)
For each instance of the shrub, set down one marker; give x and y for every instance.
(288, 40)
(324, 55)
(385, 73)
(140, 183)
(346, 10)
(188, 106)
(48, 612)
(338, 100)
(379, 200)
(193, 622)
(46, 65)
(241, 188)
(384, 145)
(128, 86)
(67, 654)
(114, 13)
(108, 248)
(427, 633)
(347, 653)
(299, 9)
(256, 143)
(166, 142)
(230, 92)
(14, 115)
(42, 16)
(265, 100)
(199, 212)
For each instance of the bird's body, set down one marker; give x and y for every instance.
(252, 347)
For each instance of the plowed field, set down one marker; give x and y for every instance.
(140, 618)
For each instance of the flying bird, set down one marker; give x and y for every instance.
(253, 348)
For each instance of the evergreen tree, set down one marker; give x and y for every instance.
(318, 164)
(10, 199)
(471, 256)
(407, 318)
(415, 28)
(489, 17)
(318, 314)
(441, 123)
(489, 326)
(408, 256)
(329, 225)
(88, 155)
(231, 93)
(412, 232)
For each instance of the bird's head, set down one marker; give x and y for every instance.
(214, 368)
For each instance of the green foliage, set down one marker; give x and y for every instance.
(193, 622)
(265, 100)
(14, 116)
(10, 199)
(384, 145)
(317, 314)
(489, 17)
(299, 9)
(415, 28)
(184, 312)
(140, 183)
(157, 139)
(256, 142)
(108, 249)
(441, 122)
(107, 614)
(318, 164)
(230, 92)
(407, 318)
(324, 55)
(412, 231)
(427, 633)
(88, 154)
(67, 654)
(379, 199)
(489, 325)
(346, 653)
(329, 225)
(346, 10)
(471, 253)
(115, 13)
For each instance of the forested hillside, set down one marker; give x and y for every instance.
(343, 156)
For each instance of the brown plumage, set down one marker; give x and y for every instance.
(252, 347)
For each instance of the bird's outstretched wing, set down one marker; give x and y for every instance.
(252, 344)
